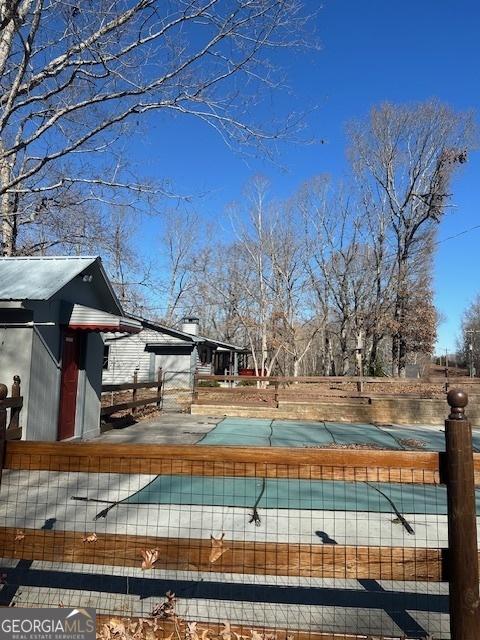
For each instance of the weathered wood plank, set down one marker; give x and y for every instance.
(268, 462)
(106, 411)
(12, 402)
(166, 629)
(14, 433)
(125, 386)
(22, 455)
(337, 379)
(240, 556)
(235, 390)
(238, 402)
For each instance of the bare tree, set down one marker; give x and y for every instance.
(407, 155)
(74, 74)
(180, 248)
(340, 266)
(469, 341)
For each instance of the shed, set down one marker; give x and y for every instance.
(179, 353)
(53, 311)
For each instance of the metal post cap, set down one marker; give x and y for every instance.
(458, 400)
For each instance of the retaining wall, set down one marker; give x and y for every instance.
(385, 410)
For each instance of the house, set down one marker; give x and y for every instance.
(53, 311)
(178, 353)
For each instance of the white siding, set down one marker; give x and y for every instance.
(127, 355)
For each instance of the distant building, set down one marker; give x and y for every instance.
(53, 311)
(179, 353)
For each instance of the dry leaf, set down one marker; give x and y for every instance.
(150, 556)
(226, 632)
(166, 610)
(217, 548)
(19, 536)
(117, 627)
(255, 635)
(204, 634)
(192, 631)
(91, 538)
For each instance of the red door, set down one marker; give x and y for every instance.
(68, 385)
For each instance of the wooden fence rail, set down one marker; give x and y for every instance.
(135, 402)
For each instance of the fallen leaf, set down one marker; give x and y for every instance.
(166, 610)
(192, 631)
(255, 635)
(205, 633)
(226, 632)
(217, 548)
(117, 627)
(91, 538)
(150, 556)
(19, 535)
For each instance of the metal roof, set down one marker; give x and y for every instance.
(96, 320)
(188, 337)
(38, 278)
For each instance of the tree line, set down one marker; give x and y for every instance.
(336, 279)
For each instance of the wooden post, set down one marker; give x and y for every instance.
(134, 392)
(3, 425)
(15, 411)
(462, 525)
(159, 386)
(276, 393)
(195, 386)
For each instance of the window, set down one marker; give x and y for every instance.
(106, 353)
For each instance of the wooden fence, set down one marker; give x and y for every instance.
(251, 391)
(175, 540)
(115, 389)
(10, 426)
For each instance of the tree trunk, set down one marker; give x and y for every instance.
(296, 368)
(372, 358)
(402, 357)
(7, 226)
(344, 351)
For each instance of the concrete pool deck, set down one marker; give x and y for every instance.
(180, 428)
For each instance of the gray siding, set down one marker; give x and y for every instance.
(90, 389)
(44, 396)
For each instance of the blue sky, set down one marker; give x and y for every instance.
(372, 51)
